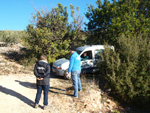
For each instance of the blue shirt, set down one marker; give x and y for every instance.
(75, 62)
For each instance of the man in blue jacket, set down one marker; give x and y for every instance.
(75, 70)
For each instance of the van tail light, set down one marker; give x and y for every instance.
(59, 67)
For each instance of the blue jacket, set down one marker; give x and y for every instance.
(75, 62)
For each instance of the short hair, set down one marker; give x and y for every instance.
(43, 57)
(73, 48)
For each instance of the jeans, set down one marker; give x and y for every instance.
(39, 91)
(76, 82)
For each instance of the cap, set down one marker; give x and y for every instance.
(73, 48)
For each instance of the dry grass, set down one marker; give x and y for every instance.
(90, 98)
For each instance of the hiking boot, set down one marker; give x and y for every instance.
(46, 107)
(36, 105)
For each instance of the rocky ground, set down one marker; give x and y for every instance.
(18, 90)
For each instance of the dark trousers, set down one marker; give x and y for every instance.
(45, 88)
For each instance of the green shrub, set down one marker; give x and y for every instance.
(52, 35)
(49, 35)
(10, 37)
(127, 70)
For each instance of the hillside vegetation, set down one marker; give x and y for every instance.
(125, 24)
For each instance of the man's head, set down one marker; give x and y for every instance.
(43, 57)
(72, 49)
(84, 54)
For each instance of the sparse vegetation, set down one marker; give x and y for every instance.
(11, 37)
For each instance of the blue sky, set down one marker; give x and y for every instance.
(16, 14)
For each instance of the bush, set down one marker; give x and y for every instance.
(10, 37)
(127, 70)
(49, 35)
(52, 35)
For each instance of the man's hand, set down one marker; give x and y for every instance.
(39, 78)
(69, 74)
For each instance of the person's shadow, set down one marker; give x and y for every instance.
(52, 89)
(33, 86)
(60, 91)
(17, 95)
(27, 84)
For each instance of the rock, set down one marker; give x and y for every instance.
(108, 90)
(94, 105)
(100, 106)
(108, 101)
(2, 64)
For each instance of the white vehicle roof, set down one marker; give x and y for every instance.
(91, 47)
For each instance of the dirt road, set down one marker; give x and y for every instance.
(17, 94)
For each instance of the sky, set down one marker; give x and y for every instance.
(17, 14)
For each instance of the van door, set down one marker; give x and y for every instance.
(97, 53)
(97, 58)
(87, 62)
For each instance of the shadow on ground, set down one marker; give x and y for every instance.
(59, 91)
(54, 76)
(27, 84)
(16, 55)
(17, 95)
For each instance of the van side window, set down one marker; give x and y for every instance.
(98, 52)
(86, 55)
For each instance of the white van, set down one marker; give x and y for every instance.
(88, 65)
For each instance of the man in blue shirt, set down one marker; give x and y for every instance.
(75, 70)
